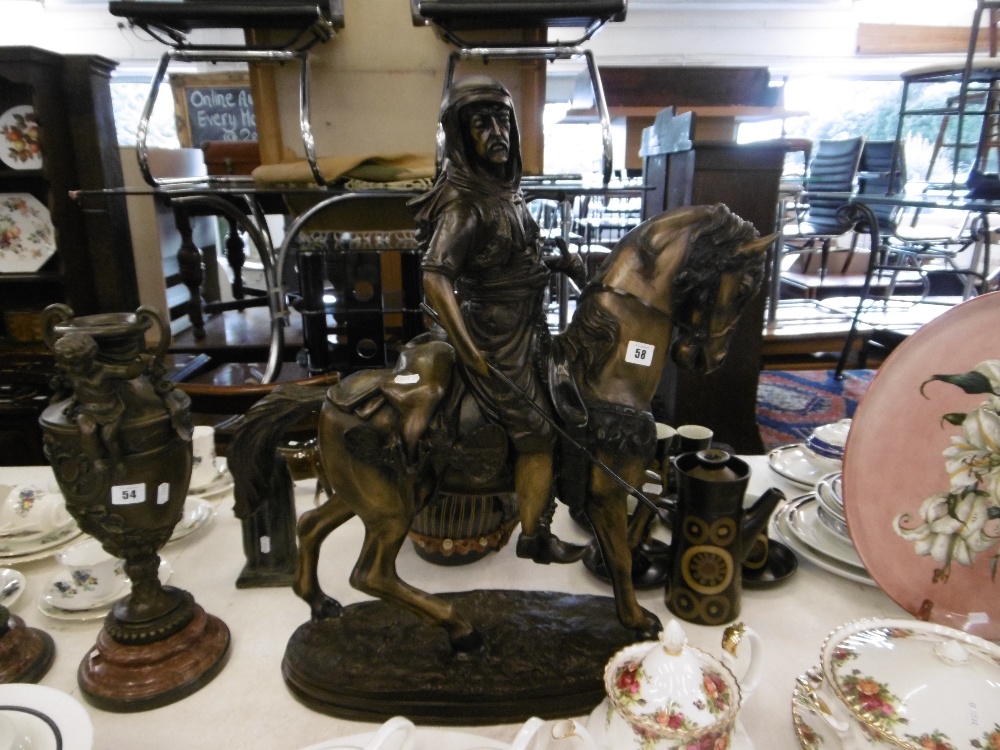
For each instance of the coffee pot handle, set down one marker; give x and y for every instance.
(732, 638)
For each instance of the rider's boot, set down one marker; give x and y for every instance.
(545, 547)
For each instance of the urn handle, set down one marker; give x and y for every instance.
(145, 312)
(52, 316)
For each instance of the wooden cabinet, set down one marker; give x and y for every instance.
(745, 177)
(92, 268)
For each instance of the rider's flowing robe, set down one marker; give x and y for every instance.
(501, 281)
(478, 232)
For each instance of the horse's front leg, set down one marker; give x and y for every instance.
(313, 527)
(606, 507)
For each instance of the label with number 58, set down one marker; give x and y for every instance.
(639, 353)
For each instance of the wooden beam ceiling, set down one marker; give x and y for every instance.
(903, 39)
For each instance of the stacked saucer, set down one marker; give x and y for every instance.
(34, 523)
(814, 526)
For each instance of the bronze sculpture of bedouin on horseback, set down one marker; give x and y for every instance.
(475, 407)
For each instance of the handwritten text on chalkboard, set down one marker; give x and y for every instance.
(221, 114)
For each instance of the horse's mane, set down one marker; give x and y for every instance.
(592, 335)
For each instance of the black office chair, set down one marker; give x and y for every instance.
(819, 222)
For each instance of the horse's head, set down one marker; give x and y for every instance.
(723, 269)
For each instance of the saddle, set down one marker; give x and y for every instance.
(414, 387)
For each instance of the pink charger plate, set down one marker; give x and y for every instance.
(894, 461)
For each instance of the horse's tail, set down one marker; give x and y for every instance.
(251, 452)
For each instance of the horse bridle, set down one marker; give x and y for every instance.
(696, 335)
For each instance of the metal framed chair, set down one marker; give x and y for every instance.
(170, 22)
(455, 19)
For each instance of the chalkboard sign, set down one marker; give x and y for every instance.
(213, 107)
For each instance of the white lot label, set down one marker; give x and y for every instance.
(265, 544)
(407, 379)
(163, 493)
(128, 494)
(639, 353)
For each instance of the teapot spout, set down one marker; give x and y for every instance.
(756, 516)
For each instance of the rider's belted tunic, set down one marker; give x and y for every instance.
(496, 267)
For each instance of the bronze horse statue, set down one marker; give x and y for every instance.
(390, 440)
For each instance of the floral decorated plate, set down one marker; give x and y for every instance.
(20, 146)
(921, 477)
(15, 551)
(27, 237)
(813, 732)
(914, 684)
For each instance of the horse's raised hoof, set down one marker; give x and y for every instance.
(326, 609)
(545, 547)
(464, 645)
(650, 631)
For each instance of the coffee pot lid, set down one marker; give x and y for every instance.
(669, 688)
(713, 466)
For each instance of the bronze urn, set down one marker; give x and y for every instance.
(118, 437)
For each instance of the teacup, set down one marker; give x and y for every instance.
(204, 467)
(29, 510)
(827, 441)
(95, 574)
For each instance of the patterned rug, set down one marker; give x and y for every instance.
(790, 404)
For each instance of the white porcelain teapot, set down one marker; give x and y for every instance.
(666, 694)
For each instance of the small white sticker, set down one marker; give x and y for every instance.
(639, 353)
(265, 544)
(128, 494)
(163, 493)
(409, 379)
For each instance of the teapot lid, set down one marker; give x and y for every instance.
(669, 688)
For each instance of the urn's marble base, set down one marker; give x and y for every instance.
(25, 653)
(544, 655)
(117, 677)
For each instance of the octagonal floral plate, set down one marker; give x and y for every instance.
(27, 237)
(921, 478)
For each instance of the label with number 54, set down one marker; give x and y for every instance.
(128, 494)
(639, 353)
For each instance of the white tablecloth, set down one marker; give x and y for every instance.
(248, 706)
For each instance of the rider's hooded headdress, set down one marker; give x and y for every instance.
(459, 173)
